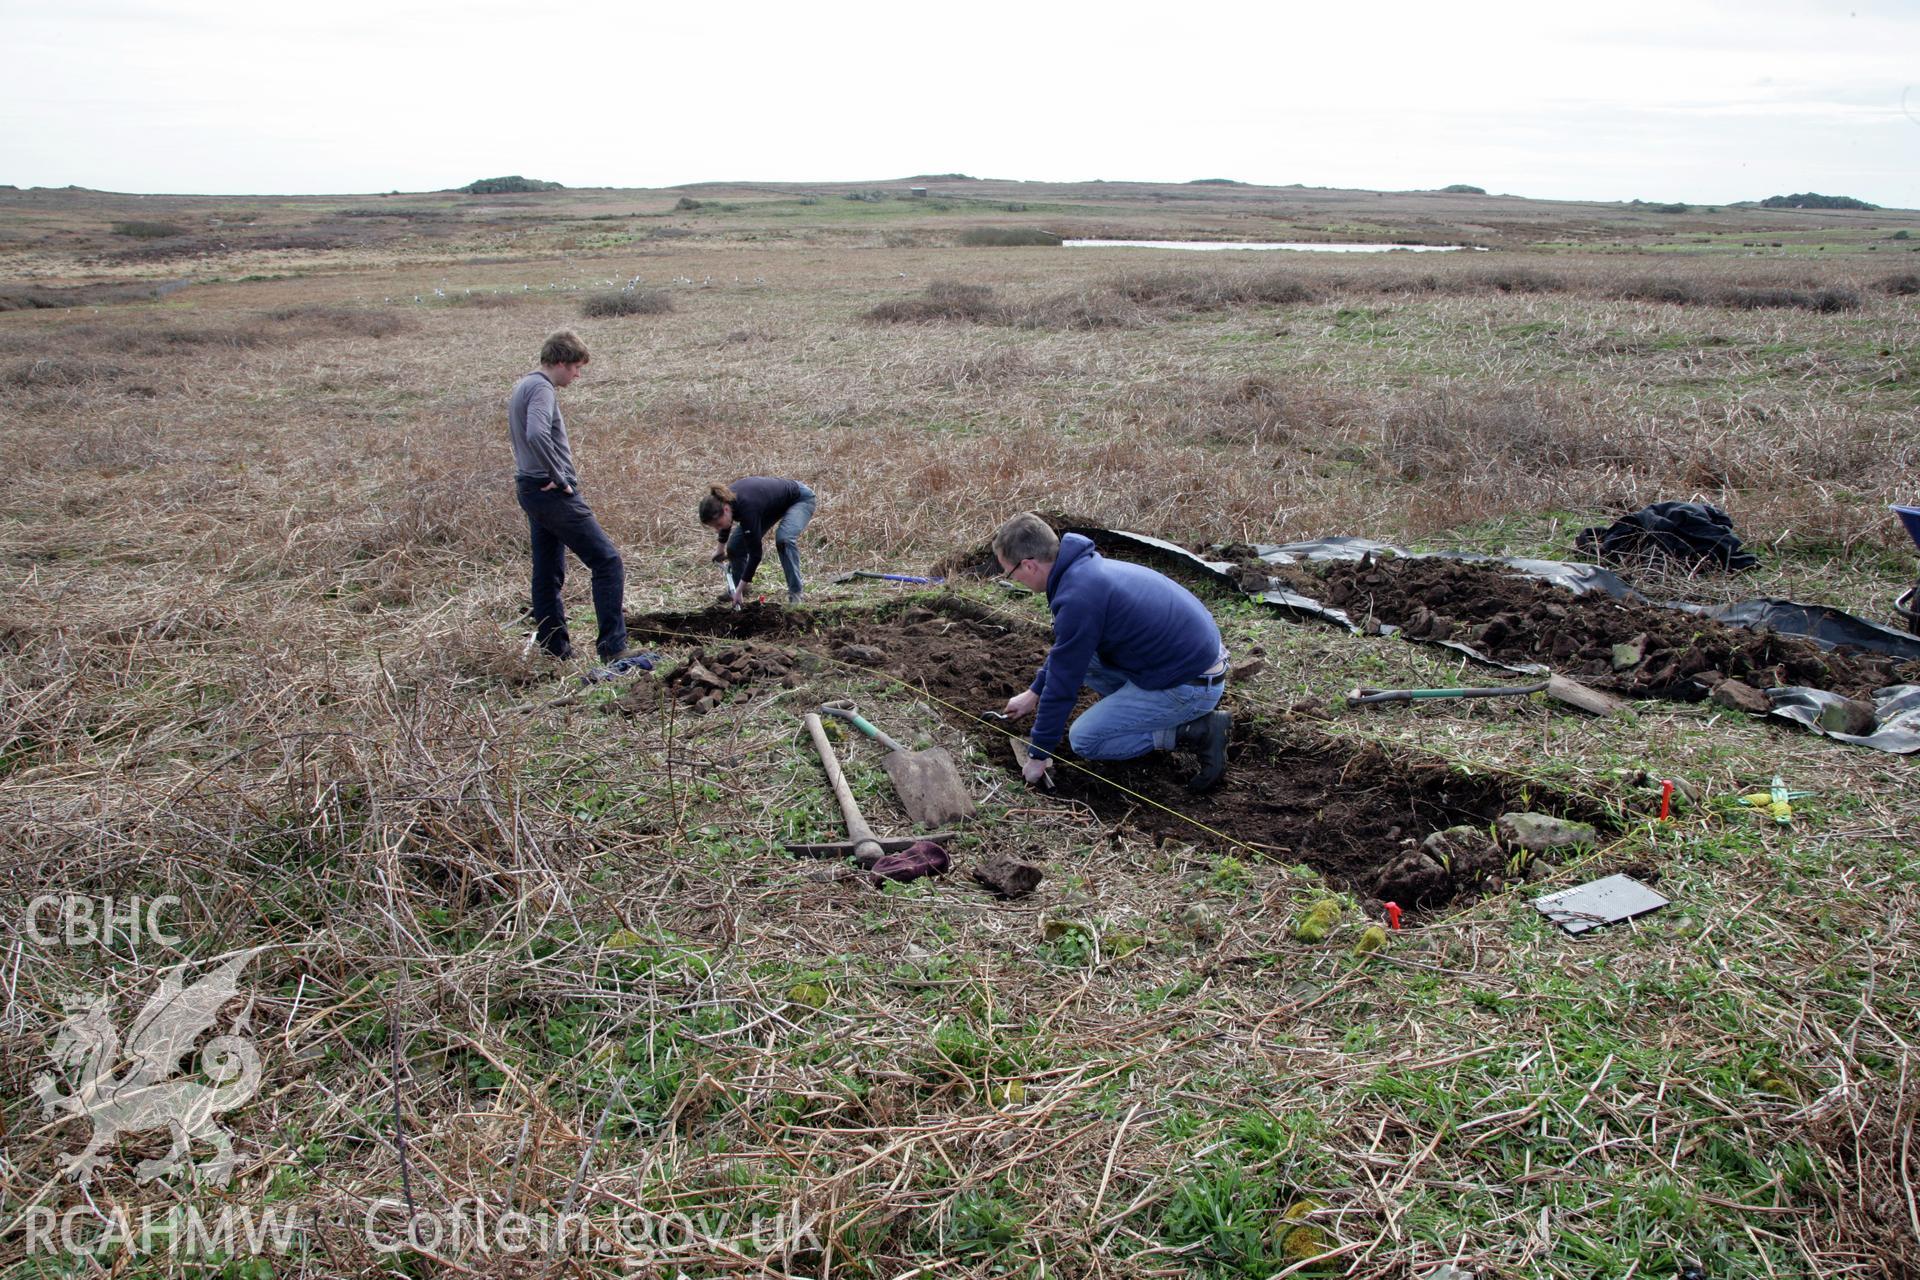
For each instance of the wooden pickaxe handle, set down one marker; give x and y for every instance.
(857, 829)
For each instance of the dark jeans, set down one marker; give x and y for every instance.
(559, 523)
(786, 541)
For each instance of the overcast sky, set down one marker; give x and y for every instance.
(1683, 100)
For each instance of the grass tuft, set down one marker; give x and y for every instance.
(1691, 291)
(1009, 237)
(943, 300)
(1519, 280)
(148, 230)
(627, 302)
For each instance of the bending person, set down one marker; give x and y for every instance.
(740, 515)
(558, 518)
(1139, 639)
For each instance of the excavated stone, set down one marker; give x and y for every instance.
(1411, 880)
(1848, 716)
(1740, 696)
(1540, 832)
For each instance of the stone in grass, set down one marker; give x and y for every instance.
(1198, 919)
(1740, 696)
(1008, 877)
(809, 995)
(1847, 716)
(1299, 1238)
(1538, 832)
(1317, 921)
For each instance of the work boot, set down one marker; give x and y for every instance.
(1206, 737)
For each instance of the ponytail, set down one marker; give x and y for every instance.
(718, 498)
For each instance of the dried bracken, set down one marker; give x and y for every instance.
(533, 946)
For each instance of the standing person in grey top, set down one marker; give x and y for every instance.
(741, 513)
(558, 519)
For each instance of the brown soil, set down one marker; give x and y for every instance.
(1521, 620)
(1294, 795)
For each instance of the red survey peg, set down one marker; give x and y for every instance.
(1666, 800)
(1393, 916)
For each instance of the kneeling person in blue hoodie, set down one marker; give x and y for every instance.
(1142, 641)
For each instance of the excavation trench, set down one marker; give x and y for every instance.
(1837, 673)
(1662, 653)
(1291, 793)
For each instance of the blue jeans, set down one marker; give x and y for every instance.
(558, 523)
(1129, 721)
(785, 541)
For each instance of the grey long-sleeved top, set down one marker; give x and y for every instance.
(539, 433)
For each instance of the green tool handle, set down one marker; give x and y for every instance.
(860, 722)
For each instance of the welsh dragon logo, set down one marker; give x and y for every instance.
(150, 1093)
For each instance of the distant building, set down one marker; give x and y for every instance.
(917, 193)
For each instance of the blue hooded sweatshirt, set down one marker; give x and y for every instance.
(1139, 623)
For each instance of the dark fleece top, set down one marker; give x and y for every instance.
(758, 503)
(1139, 623)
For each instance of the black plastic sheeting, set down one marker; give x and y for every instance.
(1828, 628)
(1896, 708)
(1221, 571)
(1577, 578)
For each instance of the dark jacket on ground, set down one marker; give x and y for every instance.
(1139, 623)
(758, 503)
(1692, 533)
